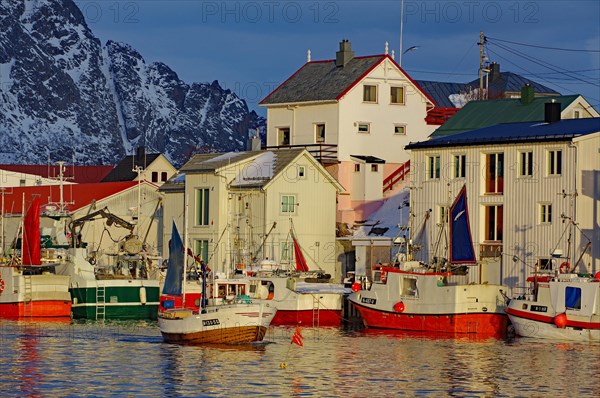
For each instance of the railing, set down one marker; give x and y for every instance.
(324, 153)
(398, 175)
(439, 116)
(491, 249)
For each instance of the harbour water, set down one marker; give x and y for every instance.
(129, 358)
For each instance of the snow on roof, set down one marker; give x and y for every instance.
(384, 222)
(225, 156)
(258, 171)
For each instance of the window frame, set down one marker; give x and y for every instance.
(434, 168)
(403, 99)
(201, 249)
(374, 168)
(365, 95)
(319, 139)
(544, 213)
(202, 207)
(554, 162)
(287, 208)
(494, 173)
(497, 223)
(403, 126)
(281, 135)
(526, 163)
(357, 167)
(367, 124)
(459, 165)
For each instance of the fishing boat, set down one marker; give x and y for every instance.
(300, 295)
(561, 303)
(119, 285)
(29, 288)
(411, 295)
(218, 320)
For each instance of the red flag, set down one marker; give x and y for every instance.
(31, 234)
(297, 338)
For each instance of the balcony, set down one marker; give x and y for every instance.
(324, 153)
(490, 250)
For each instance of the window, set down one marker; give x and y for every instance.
(573, 298)
(554, 162)
(409, 286)
(545, 264)
(460, 166)
(301, 171)
(364, 128)
(201, 249)
(399, 129)
(357, 168)
(433, 167)
(288, 204)
(396, 95)
(576, 115)
(202, 206)
(494, 176)
(369, 93)
(320, 132)
(286, 250)
(164, 176)
(545, 213)
(442, 215)
(283, 136)
(374, 167)
(526, 164)
(493, 223)
(155, 176)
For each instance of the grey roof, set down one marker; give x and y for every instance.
(512, 82)
(123, 171)
(369, 159)
(441, 91)
(174, 184)
(563, 130)
(321, 81)
(212, 161)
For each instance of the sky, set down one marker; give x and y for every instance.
(251, 47)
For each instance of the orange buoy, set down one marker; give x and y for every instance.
(355, 286)
(560, 321)
(399, 307)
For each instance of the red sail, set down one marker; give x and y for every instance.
(31, 234)
(300, 260)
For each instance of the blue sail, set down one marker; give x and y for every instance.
(461, 242)
(174, 278)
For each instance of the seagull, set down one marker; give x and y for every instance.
(413, 48)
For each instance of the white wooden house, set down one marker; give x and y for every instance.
(522, 180)
(346, 110)
(241, 207)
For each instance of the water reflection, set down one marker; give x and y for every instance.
(130, 358)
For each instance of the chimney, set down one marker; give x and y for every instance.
(527, 94)
(254, 143)
(345, 54)
(552, 112)
(141, 156)
(495, 71)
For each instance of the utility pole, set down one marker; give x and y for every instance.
(481, 57)
(401, 29)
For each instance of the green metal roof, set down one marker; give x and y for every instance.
(479, 114)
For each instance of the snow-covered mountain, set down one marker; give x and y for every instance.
(65, 96)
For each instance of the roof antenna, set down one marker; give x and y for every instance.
(308, 56)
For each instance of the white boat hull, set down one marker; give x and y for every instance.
(220, 324)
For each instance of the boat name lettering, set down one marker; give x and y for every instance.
(539, 308)
(210, 322)
(367, 300)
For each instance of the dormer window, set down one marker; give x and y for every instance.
(369, 93)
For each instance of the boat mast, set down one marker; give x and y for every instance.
(185, 236)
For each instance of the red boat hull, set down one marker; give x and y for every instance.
(36, 309)
(487, 324)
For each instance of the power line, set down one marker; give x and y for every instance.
(544, 47)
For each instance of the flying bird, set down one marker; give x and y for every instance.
(413, 48)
